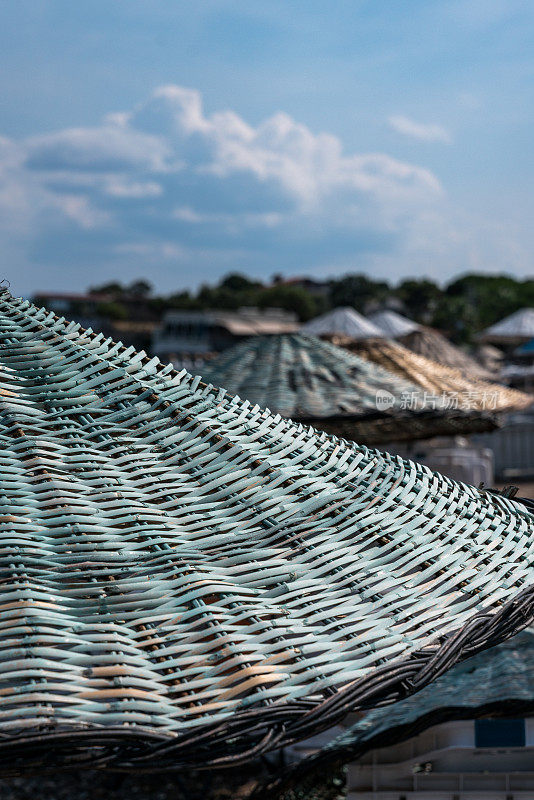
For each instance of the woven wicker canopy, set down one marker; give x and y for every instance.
(471, 393)
(307, 379)
(189, 580)
(498, 681)
(303, 377)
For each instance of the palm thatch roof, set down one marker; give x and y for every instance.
(433, 345)
(341, 322)
(188, 580)
(304, 378)
(518, 327)
(392, 324)
(490, 357)
(438, 380)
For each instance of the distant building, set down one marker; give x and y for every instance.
(95, 311)
(486, 759)
(75, 306)
(189, 336)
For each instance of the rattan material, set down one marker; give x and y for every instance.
(303, 377)
(307, 379)
(189, 580)
(437, 379)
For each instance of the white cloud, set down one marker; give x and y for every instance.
(167, 181)
(137, 190)
(418, 130)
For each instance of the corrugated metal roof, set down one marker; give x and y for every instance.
(190, 580)
(341, 322)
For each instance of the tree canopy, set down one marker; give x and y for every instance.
(461, 308)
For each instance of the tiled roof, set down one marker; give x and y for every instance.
(189, 580)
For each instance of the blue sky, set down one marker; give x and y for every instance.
(182, 140)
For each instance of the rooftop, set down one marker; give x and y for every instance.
(392, 324)
(519, 325)
(342, 322)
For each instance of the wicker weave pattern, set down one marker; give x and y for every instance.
(311, 380)
(498, 682)
(303, 377)
(173, 557)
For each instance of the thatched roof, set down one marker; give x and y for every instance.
(433, 345)
(341, 322)
(392, 324)
(439, 380)
(518, 327)
(490, 357)
(190, 580)
(304, 378)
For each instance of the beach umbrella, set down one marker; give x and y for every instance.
(392, 324)
(439, 380)
(512, 330)
(304, 378)
(188, 580)
(496, 683)
(344, 321)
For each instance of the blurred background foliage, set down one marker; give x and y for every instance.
(460, 308)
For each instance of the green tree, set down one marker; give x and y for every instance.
(491, 297)
(358, 291)
(140, 288)
(113, 289)
(420, 297)
(290, 298)
(112, 310)
(236, 282)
